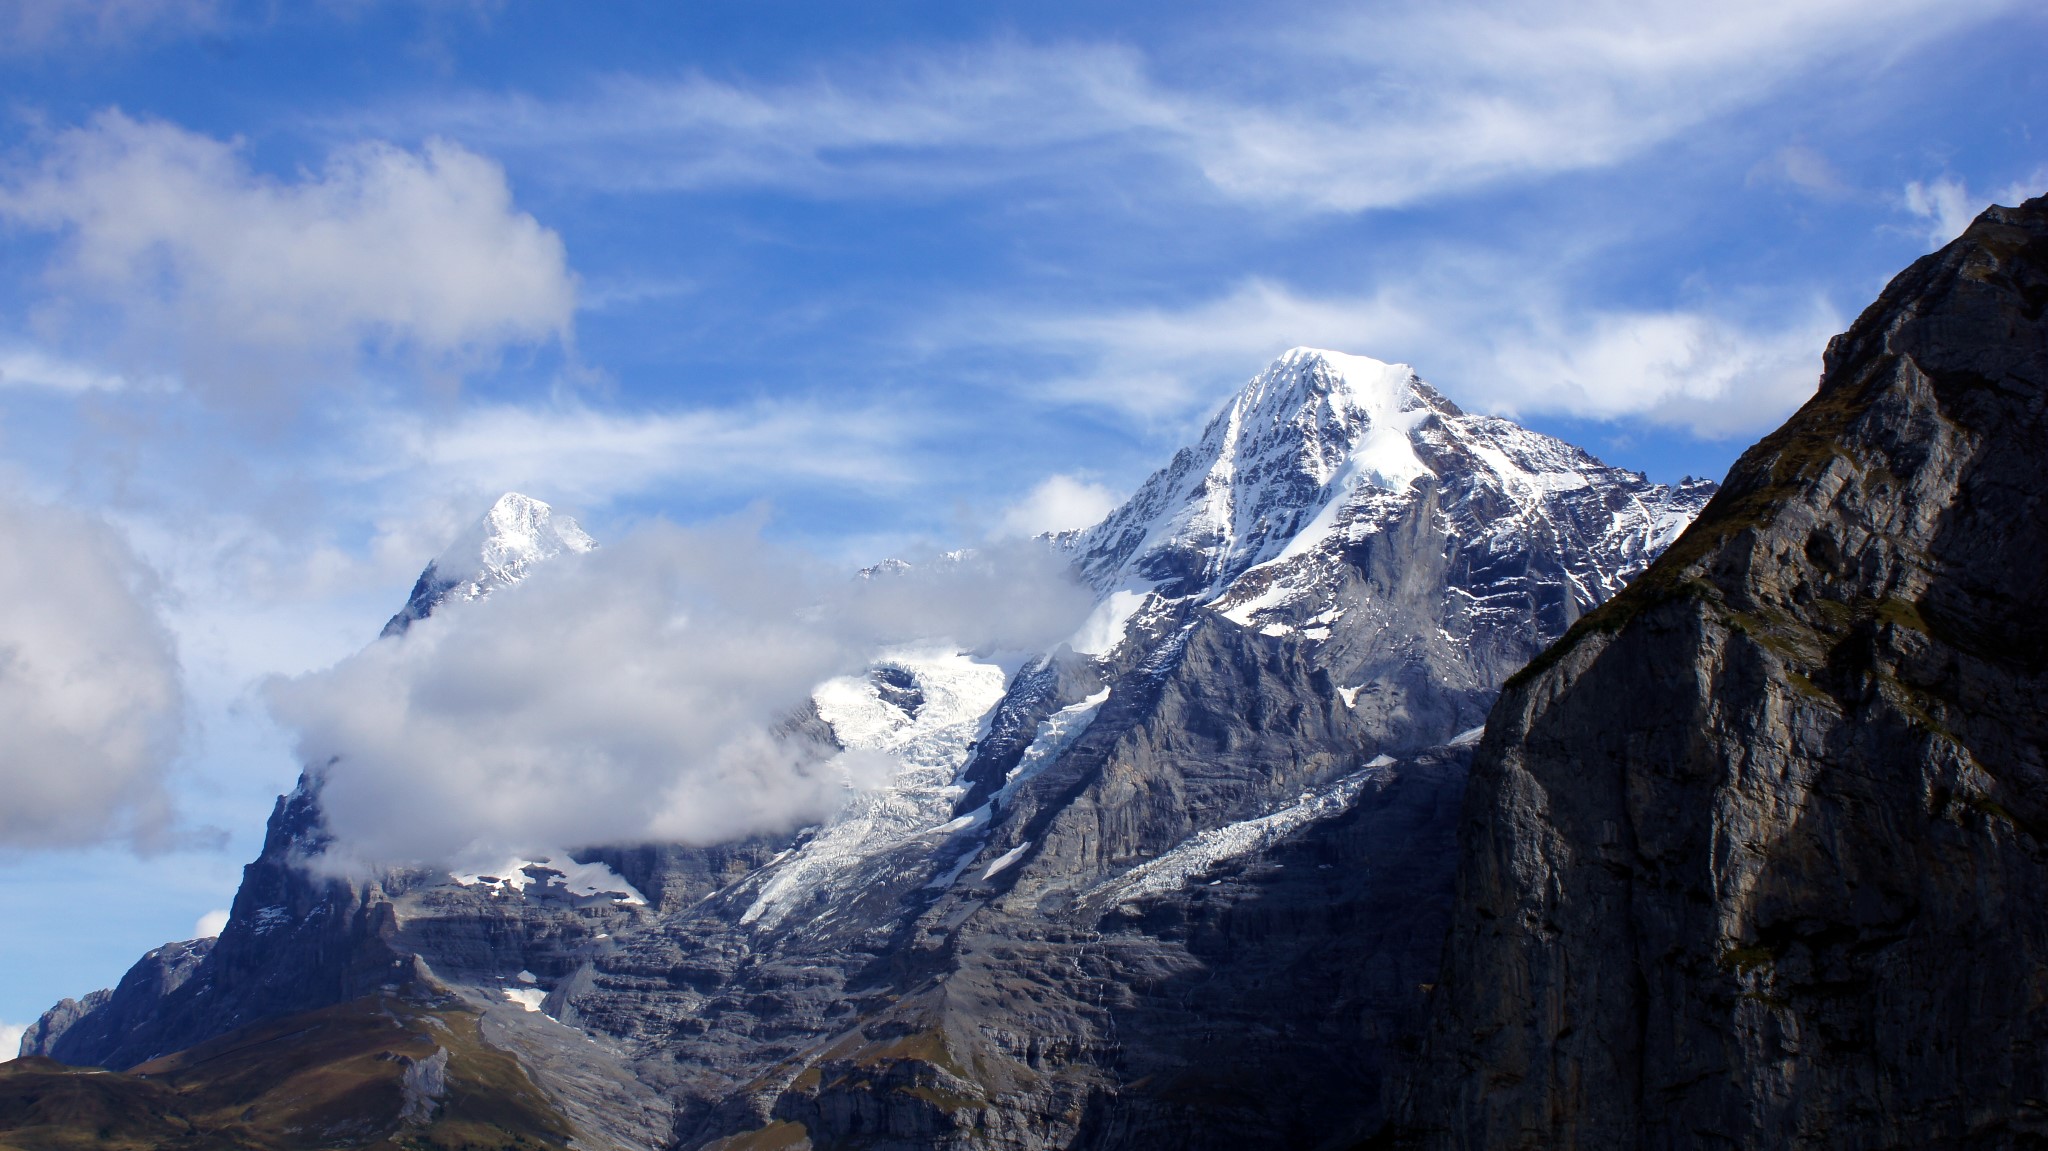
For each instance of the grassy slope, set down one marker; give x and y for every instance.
(328, 1078)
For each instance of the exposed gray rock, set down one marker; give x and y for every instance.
(1754, 858)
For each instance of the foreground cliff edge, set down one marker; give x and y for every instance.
(1754, 856)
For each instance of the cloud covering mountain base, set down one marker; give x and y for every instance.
(645, 691)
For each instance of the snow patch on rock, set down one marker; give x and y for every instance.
(929, 747)
(1201, 852)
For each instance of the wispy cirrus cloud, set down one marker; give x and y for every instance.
(1374, 107)
(29, 366)
(589, 455)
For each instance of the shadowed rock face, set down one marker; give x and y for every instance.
(1755, 857)
(79, 1031)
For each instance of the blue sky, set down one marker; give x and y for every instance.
(291, 292)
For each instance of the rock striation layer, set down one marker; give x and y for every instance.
(1754, 857)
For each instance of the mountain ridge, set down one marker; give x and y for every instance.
(949, 961)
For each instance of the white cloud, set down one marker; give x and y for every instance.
(1419, 99)
(1803, 168)
(929, 123)
(1944, 206)
(1367, 110)
(2019, 191)
(10, 1040)
(90, 697)
(588, 455)
(248, 283)
(31, 367)
(1504, 350)
(211, 924)
(1676, 368)
(633, 694)
(1059, 503)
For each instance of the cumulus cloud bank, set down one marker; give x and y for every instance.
(641, 692)
(245, 282)
(90, 698)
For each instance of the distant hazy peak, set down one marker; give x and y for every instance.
(498, 550)
(518, 532)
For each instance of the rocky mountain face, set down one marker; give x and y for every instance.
(1753, 858)
(1084, 910)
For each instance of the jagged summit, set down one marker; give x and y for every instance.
(497, 551)
(1323, 449)
(1325, 392)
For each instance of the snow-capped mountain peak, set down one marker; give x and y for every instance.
(497, 551)
(1322, 450)
(1314, 423)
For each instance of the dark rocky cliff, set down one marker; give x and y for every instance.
(1754, 857)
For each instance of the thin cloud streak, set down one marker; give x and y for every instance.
(27, 366)
(1368, 111)
(586, 455)
(1943, 206)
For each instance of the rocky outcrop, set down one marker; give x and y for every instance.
(1754, 857)
(294, 941)
(74, 1031)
